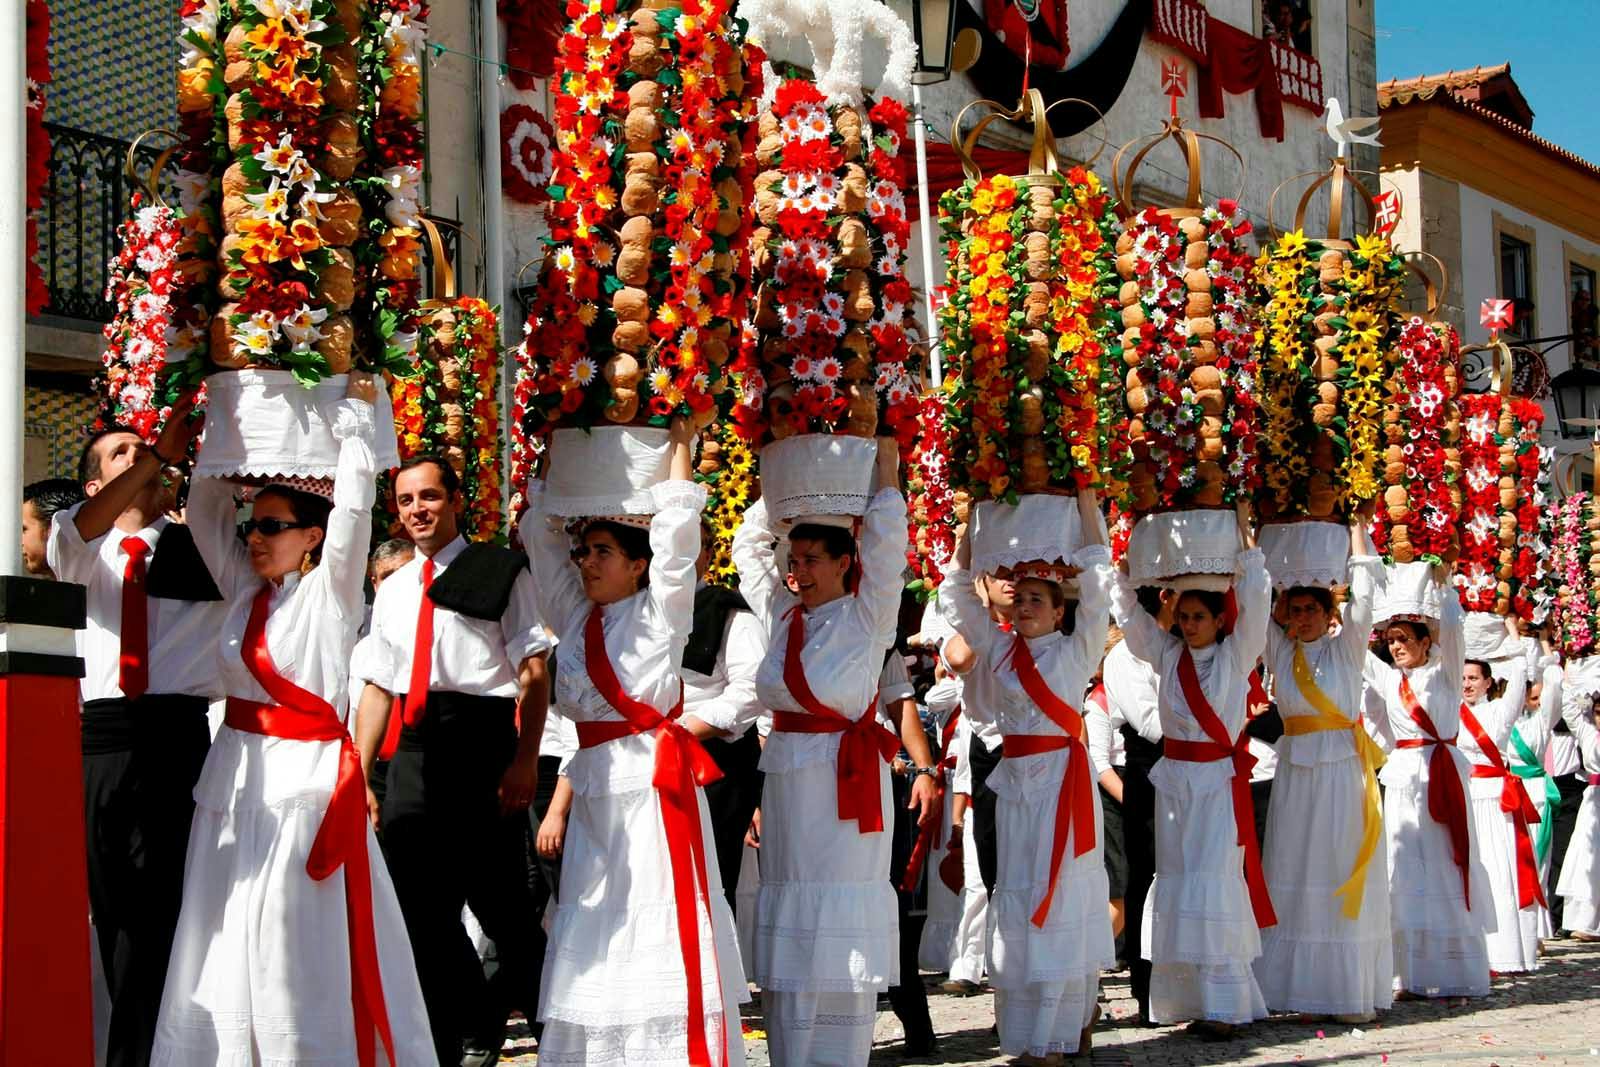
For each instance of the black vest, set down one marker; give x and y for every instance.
(712, 606)
(478, 583)
(177, 571)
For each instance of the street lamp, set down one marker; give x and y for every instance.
(1577, 395)
(933, 23)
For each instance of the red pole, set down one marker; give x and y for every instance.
(45, 1013)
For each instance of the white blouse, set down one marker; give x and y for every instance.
(1436, 685)
(1133, 691)
(1223, 667)
(726, 698)
(845, 639)
(1336, 664)
(1106, 747)
(311, 627)
(645, 633)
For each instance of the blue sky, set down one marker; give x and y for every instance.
(1552, 46)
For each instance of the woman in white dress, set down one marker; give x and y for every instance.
(1504, 818)
(291, 949)
(936, 952)
(827, 939)
(1579, 881)
(1051, 931)
(1208, 901)
(1524, 753)
(1330, 953)
(1439, 900)
(643, 965)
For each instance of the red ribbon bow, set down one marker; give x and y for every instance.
(1447, 798)
(860, 793)
(1221, 747)
(341, 841)
(1075, 801)
(1515, 802)
(682, 763)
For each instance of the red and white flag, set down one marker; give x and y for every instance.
(1385, 213)
(1495, 314)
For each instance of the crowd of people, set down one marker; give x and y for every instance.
(411, 821)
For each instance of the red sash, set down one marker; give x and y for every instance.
(1515, 802)
(1221, 747)
(1447, 798)
(860, 796)
(681, 765)
(1075, 801)
(298, 715)
(930, 833)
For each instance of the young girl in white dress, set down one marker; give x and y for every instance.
(1439, 898)
(826, 938)
(1330, 953)
(291, 949)
(1203, 921)
(1579, 880)
(1525, 757)
(1050, 928)
(643, 963)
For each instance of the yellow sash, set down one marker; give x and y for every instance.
(1329, 718)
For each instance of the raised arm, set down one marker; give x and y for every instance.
(883, 544)
(557, 587)
(1252, 590)
(1094, 602)
(1551, 695)
(211, 518)
(355, 486)
(111, 498)
(1366, 572)
(1144, 636)
(1452, 631)
(960, 606)
(674, 545)
(755, 557)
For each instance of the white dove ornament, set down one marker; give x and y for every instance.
(1346, 132)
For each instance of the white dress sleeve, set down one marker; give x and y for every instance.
(883, 562)
(961, 608)
(1252, 590)
(1356, 632)
(210, 514)
(557, 588)
(1098, 724)
(755, 557)
(1094, 603)
(523, 626)
(674, 547)
(1144, 636)
(744, 646)
(355, 487)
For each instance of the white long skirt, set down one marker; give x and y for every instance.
(746, 895)
(937, 949)
(1200, 933)
(1439, 944)
(1579, 885)
(1543, 928)
(1046, 980)
(1315, 960)
(260, 968)
(614, 991)
(1514, 945)
(970, 959)
(827, 929)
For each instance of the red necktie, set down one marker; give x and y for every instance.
(421, 652)
(133, 672)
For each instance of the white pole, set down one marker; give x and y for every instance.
(931, 325)
(13, 277)
(494, 268)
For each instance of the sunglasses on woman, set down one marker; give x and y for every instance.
(268, 527)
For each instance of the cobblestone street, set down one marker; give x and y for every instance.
(1547, 1018)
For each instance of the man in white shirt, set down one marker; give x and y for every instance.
(720, 661)
(387, 558)
(149, 654)
(462, 642)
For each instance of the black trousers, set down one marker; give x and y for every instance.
(1139, 843)
(909, 999)
(544, 876)
(141, 760)
(1572, 788)
(983, 803)
(447, 845)
(732, 800)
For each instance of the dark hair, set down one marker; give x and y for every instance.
(447, 474)
(1210, 599)
(50, 495)
(1482, 665)
(634, 541)
(89, 458)
(1323, 597)
(308, 508)
(1418, 630)
(836, 541)
(1150, 599)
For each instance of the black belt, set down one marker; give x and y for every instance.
(455, 720)
(117, 724)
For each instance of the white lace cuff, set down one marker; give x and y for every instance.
(689, 496)
(353, 418)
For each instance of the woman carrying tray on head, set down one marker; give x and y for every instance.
(826, 935)
(291, 948)
(1209, 899)
(1051, 930)
(643, 964)
(1330, 953)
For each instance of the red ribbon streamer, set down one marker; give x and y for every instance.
(928, 834)
(682, 763)
(1221, 747)
(1515, 802)
(1447, 798)
(299, 715)
(860, 793)
(1075, 801)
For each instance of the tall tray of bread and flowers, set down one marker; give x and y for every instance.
(1029, 328)
(296, 313)
(1190, 373)
(828, 362)
(1326, 338)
